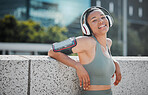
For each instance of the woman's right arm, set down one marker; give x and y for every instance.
(81, 72)
(62, 58)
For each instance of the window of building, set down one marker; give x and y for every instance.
(140, 1)
(140, 12)
(98, 3)
(111, 7)
(131, 10)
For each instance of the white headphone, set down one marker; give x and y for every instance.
(85, 27)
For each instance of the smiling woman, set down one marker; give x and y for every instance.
(96, 66)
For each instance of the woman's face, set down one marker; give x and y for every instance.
(98, 22)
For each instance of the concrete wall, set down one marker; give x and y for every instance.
(42, 75)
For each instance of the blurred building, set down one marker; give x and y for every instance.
(137, 9)
(10, 6)
(74, 28)
(44, 12)
(113, 6)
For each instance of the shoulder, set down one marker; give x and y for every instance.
(86, 40)
(109, 42)
(83, 44)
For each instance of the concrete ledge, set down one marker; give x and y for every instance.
(13, 75)
(134, 76)
(42, 75)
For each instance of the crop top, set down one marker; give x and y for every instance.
(101, 69)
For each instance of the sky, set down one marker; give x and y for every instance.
(70, 9)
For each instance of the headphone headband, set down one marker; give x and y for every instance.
(83, 21)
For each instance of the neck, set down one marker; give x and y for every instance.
(101, 39)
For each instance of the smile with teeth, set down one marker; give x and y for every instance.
(101, 26)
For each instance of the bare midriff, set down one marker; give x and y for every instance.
(98, 87)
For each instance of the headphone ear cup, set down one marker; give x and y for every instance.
(85, 29)
(110, 20)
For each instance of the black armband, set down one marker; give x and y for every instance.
(65, 46)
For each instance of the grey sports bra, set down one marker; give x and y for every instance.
(101, 69)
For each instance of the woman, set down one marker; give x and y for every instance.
(96, 66)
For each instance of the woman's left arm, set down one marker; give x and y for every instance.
(117, 67)
(117, 73)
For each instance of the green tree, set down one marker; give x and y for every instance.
(116, 45)
(8, 29)
(55, 34)
(143, 33)
(30, 31)
(135, 46)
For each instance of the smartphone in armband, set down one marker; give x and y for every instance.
(65, 46)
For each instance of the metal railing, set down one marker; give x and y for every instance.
(23, 48)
